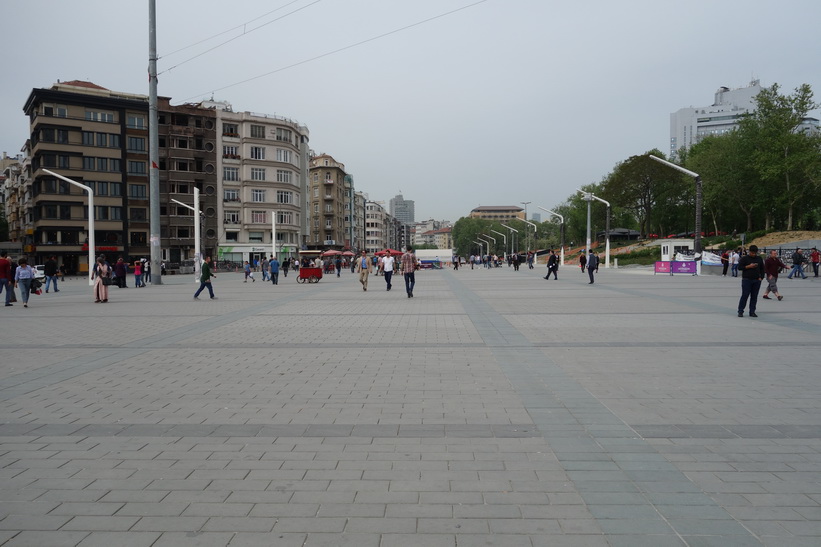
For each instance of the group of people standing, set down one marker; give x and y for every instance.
(387, 264)
(16, 277)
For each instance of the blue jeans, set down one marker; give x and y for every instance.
(734, 270)
(410, 281)
(204, 284)
(25, 289)
(275, 278)
(796, 270)
(138, 280)
(4, 284)
(51, 279)
(749, 290)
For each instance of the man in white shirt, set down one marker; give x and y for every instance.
(734, 258)
(387, 267)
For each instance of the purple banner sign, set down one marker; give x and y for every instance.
(684, 267)
(662, 266)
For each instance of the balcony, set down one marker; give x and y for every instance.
(329, 181)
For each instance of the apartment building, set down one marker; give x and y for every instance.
(377, 227)
(187, 160)
(97, 137)
(262, 167)
(329, 203)
(498, 212)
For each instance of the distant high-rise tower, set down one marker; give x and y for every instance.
(402, 209)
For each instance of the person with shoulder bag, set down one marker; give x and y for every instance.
(23, 278)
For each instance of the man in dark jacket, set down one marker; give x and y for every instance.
(797, 268)
(592, 265)
(50, 270)
(752, 272)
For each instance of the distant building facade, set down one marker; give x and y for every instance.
(330, 190)
(404, 210)
(498, 213)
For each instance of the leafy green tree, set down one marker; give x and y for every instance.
(785, 157)
(642, 185)
(465, 232)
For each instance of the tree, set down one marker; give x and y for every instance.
(465, 231)
(785, 157)
(640, 184)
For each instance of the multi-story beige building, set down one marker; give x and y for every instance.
(377, 227)
(262, 167)
(358, 209)
(329, 190)
(498, 212)
(15, 193)
(98, 138)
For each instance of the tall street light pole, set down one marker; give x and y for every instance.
(606, 231)
(697, 177)
(588, 197)
(561, 218)
(527, 239)
(528, 233)
(153, 148)
(512, 237)
(92, 247)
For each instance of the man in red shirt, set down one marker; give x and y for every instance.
(815, 257)
(5, 276)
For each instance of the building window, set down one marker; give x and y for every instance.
(116, 213)
(231, 217)
(136, 144)
(259, 217)
(102, 139)
(102, 188)
(283, 176)
(136, 168)
(135, 122)
(114, 140)
(258, 196)
(138, 191)
(255, 237)
(230, 173)
(183, 233)
(257, 152)
(283, 135)
(230, 152)
(230, 130)
(285, 197)
(96, 116)
(230, 195)
(88, 138)
(283, 155)
(232, 236)
(102, 164)
(116, 188)
(101, 213)
(258, 131)
(257, 173)
(137, 213)
(63, 162)
(138, 239)
(62, 136)
(114, 165)
(285, 217)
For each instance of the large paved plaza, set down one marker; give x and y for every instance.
(493, 408)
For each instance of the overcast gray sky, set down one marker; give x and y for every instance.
(502, 102)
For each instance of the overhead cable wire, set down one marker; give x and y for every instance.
(238, 36)
(227, 31)
(338, 50)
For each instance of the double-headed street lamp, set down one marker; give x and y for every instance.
(607, 225)
(561, 218)
(528, 234)
(527, 239)
(512, 237)
(504, 240)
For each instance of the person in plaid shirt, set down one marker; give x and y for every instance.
(408, 262)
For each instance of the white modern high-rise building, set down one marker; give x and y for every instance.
(689, 125)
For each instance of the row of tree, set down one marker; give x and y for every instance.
(765, 174)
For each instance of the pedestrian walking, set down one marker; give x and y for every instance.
(725, 262)
(50, 270)
(752, 272)
(138, 274)
(409, 270)
(552, 266)
(364, 266)
(735, 256)
(273, 267)
(772, 267)
(6, 277)
(205, 279)
(146, 271)
(285, 265)
(248, 272)
(121, 273)
(797, 262)
(387, 264)
(815, 257)
(266, 265)
(338, 265)
(592, 266)
(101, 272)
(582, 261)
(23, 277)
